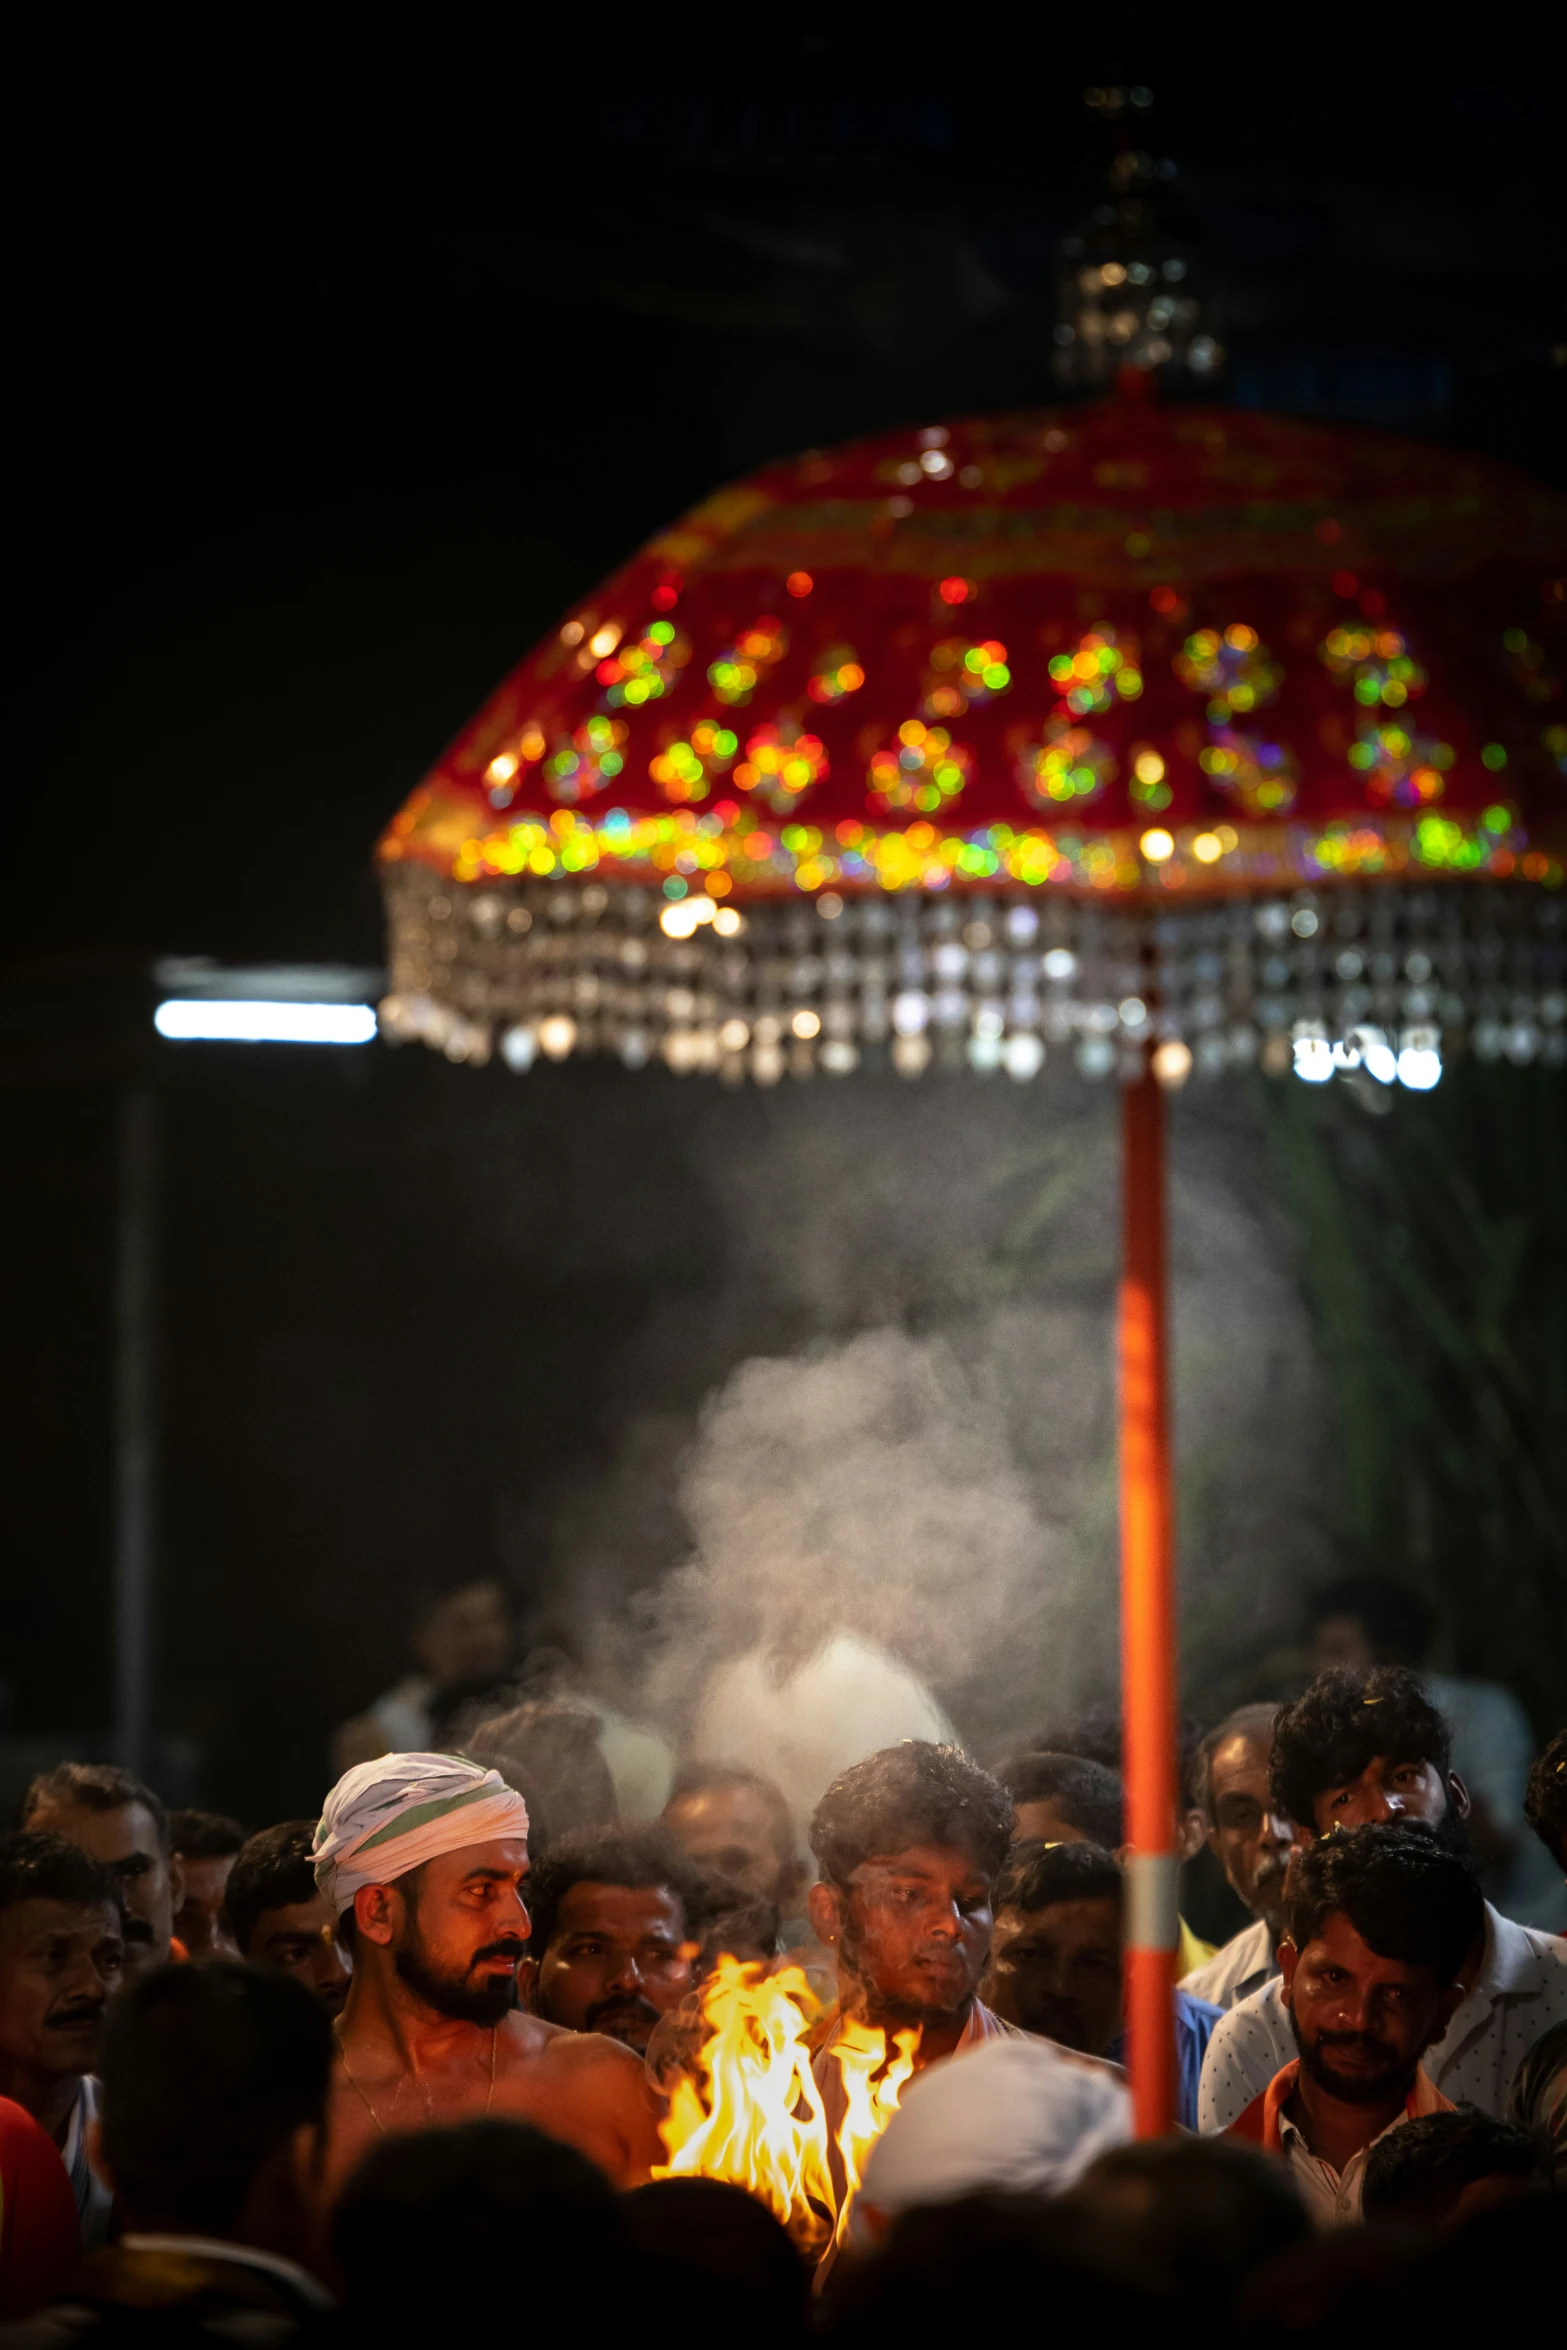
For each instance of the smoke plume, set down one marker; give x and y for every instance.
(905, 1430)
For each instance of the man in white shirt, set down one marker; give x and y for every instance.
(1361, 1747)
(1380, 1920)
(1252, 1841)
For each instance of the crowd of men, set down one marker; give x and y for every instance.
(372, 2072)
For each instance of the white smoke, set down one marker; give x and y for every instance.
(845, 1492)
(929, 1466)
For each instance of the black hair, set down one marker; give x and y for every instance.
(1398, 1622)
(204, 1835)
(1247, 1721)
(707, 2234)
(1038, 1875)
(1087, 1795)
(207, 2071)
(472, 2200)
(1419, 2170)
(273, 1869)
(1515, 2244)
(1096, 1735)
(635, 1857)
(36, 1865)
(1206, 2212)
(697, 1777)
(1329, 1735)
(1545, 1800)
(94, 1787)
(1405, 1893)
(939, 2263)
(916, 1793)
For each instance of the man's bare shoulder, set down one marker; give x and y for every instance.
(586, 2089)
(583, 2059)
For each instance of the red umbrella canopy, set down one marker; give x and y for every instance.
(1110, 648)
(1178, 691)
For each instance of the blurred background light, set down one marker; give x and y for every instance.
(253, 1022)
(1313, 1059)
(1419, 1068)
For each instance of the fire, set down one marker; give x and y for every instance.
(761, 2124)
(757, 2118)
(872, 2086)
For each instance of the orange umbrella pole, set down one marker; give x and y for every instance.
(1148, 1663)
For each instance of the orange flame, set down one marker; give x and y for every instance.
(872, 2085)
(758, 2119)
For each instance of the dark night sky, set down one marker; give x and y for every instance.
(318, 439)
(329, 404)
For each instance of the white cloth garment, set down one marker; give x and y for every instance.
(1018, 2115)
(386, 1817)
(1519, 1992)
(1237, 1968)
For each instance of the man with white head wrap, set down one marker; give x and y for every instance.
(424, 1858)
(1018, 2116)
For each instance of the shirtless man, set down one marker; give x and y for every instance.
(424, 1858)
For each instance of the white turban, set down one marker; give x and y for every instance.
(386, 1817)
(1017, 2115)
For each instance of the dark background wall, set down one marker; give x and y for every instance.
(333, 395)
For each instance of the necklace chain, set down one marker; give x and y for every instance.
(363, 2093)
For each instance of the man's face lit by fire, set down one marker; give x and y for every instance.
(619, 1958)
(911, 1931)
(455, 1928)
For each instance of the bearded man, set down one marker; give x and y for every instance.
(424, 1860)
(1371, 1749)
(1380, 1922)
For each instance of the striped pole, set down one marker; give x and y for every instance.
(1148, 1655)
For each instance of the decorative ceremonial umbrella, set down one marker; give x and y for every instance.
(1162, 738)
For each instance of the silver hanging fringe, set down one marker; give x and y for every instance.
(1381, 975)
